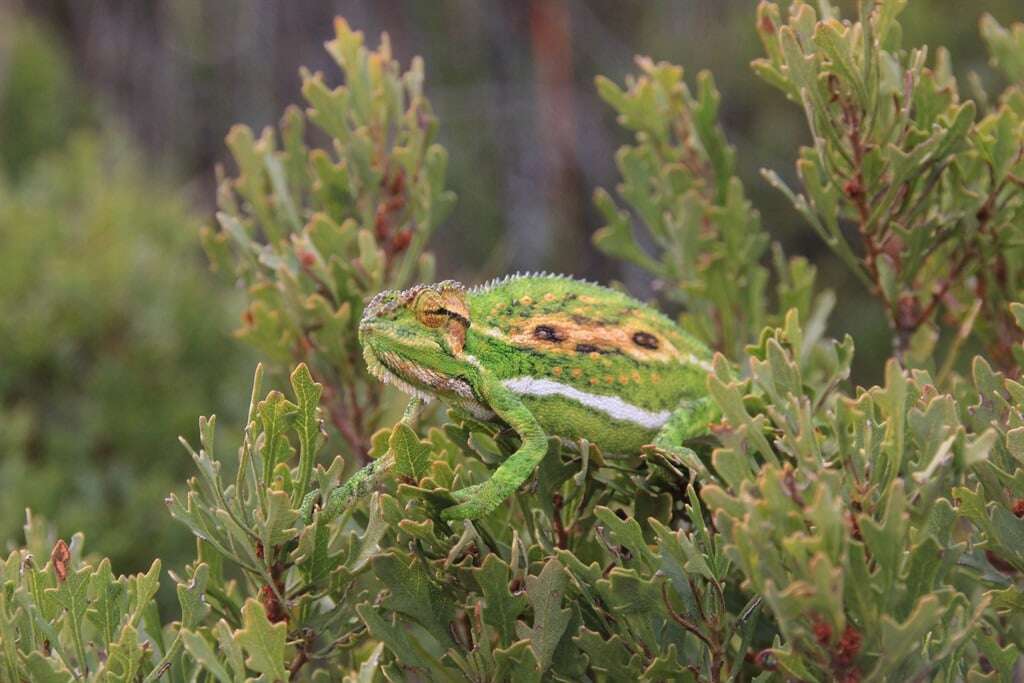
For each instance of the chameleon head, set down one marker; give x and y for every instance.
(415, 338)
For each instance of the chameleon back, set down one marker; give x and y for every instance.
(586, 360)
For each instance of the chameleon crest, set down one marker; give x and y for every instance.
(549, 356)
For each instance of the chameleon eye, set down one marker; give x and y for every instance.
(429, 309)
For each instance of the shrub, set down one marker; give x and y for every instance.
(824, 532)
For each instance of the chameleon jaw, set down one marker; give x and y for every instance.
(386, 376)
(461, 394)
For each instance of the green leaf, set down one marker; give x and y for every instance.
(904, 639)
(1006, 47)
(887, 540)
(501, 606)
(125, 658)
(108, 603)
(611, 657)
(263, 642)
(276, 413)
(400, 641)
(275, 524)
(229, 648)
(517, 663)
(545, 592)
(412, 456)
(617, 239)
(45, 669)
(307, 424)
(141, 590)
(192, 597)
(7, 639)
(627, 533)
(201, 651)
(415, 595)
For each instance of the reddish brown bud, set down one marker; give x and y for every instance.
(397, 183)
(60, 558)
(851, 521)
(853, 189)
(1018, 507)
(401, 240)
(381, 223)
(999, 563)
(271, 605)
(849, 646)
(893, 247)
(766, 660)
(822, 632)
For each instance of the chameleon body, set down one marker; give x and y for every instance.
(549, 356)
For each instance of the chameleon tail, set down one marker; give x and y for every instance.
(356, 486)
(360, 483)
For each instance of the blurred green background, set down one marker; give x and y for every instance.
(114, 336)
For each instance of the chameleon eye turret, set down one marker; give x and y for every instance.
(430, 310)
(549, 356)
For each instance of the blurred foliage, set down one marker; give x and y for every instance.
(39, 102)
(824, 531)
(111, 340)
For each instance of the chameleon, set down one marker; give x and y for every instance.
(549, 355)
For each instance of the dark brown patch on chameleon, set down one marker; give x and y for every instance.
(548, 333)
(588, 348)
(645, 340)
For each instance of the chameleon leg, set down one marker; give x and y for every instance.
(690, 419)
(361, 482)
(486, 497)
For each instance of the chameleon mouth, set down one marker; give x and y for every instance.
(378, 367)
(390, 368)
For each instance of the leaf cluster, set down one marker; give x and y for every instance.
(930, 181)
(312, 233)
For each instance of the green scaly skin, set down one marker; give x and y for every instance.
(548, 355)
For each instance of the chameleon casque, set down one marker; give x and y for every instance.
(548, 355)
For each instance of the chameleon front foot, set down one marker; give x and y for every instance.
(474, 508)
(475, 501)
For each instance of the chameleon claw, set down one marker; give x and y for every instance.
(470, 509)
(467, 493)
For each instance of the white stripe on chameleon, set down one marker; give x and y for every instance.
(613, 406)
